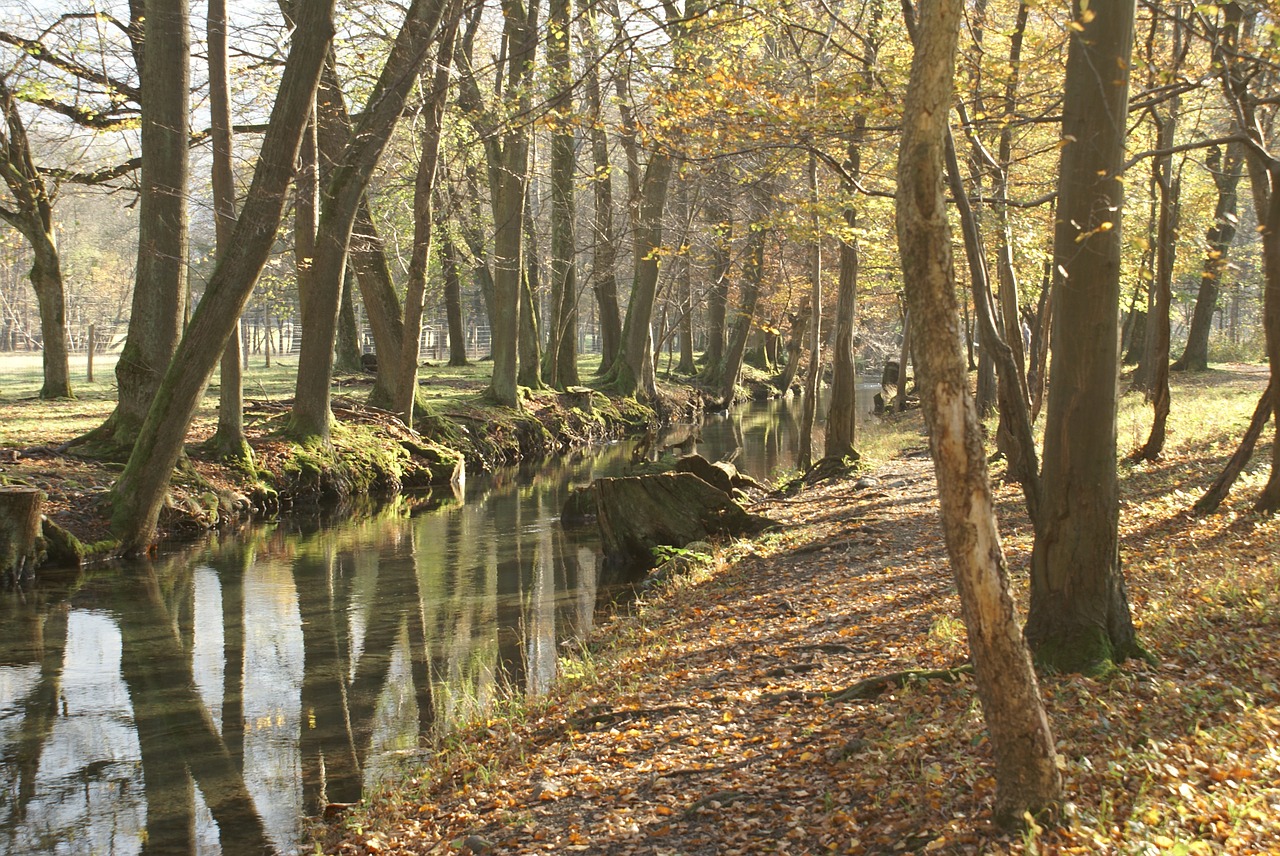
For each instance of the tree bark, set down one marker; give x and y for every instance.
(561, 359)
(453, 300)
(32, 216)
(1217, 492)
(1226, 177)
(160, 289)
(139, 493)
(632, 373)
(1027, 777)
(1079, 618)
(749, 296)
(20, 511)
(810, 410)
(228, 439)
(604, 277)
(423, 217)
(312, 418)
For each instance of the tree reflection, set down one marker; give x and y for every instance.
(176, 734)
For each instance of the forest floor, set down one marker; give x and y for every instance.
(709, 718)
(372, 454)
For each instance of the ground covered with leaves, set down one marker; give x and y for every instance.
(731, 710)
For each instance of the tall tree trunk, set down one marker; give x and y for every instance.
(530, 345)
(32, 216)
(1079, 617)
(228, 439)
(1226, 177)
(1217, 492)
(347, 354)
(139, 492)
(160, 289)
(633, 371)
(311, 418)
(453, 300)
(721, 223)
(842, 416)
(795, 345)
(423, 217)
(1027, 777)
(810, 410)
(604, 277)
(1010, 391)
(366, 253)
(561, 359)
(749, 296)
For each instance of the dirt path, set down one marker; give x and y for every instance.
(718, 736)
(705, 722)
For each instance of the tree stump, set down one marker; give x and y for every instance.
(20, 509)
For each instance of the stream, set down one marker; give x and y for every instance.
(209, 701)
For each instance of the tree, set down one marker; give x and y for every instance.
(1027, 777)
(423, 221)
(32, 215)
(1079, 617)
(139, 492)
(160, 287)
(1226, 178)
(229, 438)
(560, 368)
(344, 191)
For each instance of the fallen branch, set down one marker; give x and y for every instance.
(872, 687)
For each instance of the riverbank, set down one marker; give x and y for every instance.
(373, 456)
(717, 716)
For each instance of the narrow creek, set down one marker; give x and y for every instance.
(207, 702)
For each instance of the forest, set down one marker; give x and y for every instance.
(1030, 211)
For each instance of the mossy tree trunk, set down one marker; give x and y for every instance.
(1079, 617)
(1027, 778)
(139, 493)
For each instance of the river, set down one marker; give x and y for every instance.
(208, 701)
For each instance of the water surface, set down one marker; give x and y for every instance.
(206, 702)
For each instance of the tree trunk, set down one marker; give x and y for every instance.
(311, 418)
(810, 410)
(20, 512)
(1226, 176)
(1010, 393)
(795, 345)
(633, 371)
(530, 345)
(1221, 486)
(604, 276)
(1079, 618)
(139, 493)
(1027, 777)
(752, 278)
(160, 289)
(423, 217)
(721, 223)
(46, 279)
(32, 216)
(228, 440)
(348, 351)
(453, 301)
(561, 359)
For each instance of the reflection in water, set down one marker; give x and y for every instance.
(206, 703)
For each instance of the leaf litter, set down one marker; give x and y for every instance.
(706, 720)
